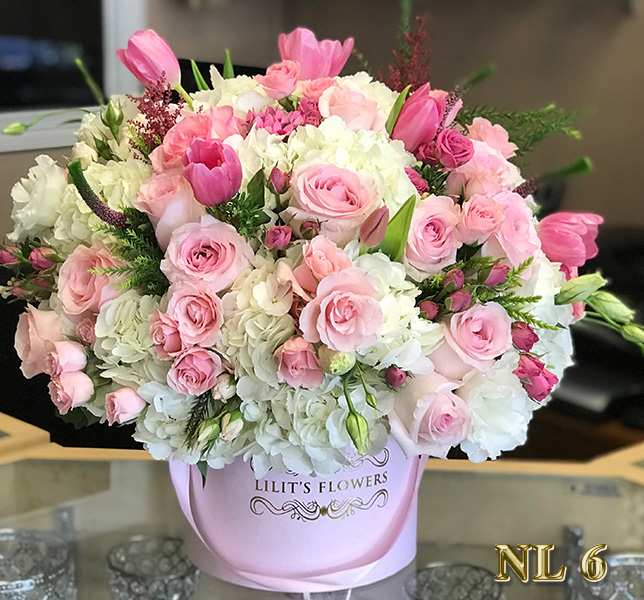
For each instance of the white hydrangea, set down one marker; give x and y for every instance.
(38, 200)
(363, 82)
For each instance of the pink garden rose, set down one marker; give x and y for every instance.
(70, 390)
(123, 405)
(536, 379)
(450, 149)
(164, 332)
(217, 123)
(198, 314)
(428, 418)
(314, 88)
(493, 135)
(83, 293)
(481, 218)
(36, 329)
(298, 364)
(317, 59)
(281, 79)
(209, 254)
(569, 238)
(433, 236)
(149, 57)
(419, 119)
(194, 371)
(64, 357)
(345, 314)
(169, 202)
(480, 334)
(320, 258)
(213, 170)
(353, 107)
(338, 198)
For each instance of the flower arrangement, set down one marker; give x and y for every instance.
(290, 268)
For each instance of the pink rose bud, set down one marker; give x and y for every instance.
(70, 390)
(317, 59)
(86, 330)
(523, 336)
(278, 237)
(310, 229)
(459, 301)
(534, 376)
(39, 260)
(417, 179)
(429, 308)
(454, 279)
(213, 170)
(395, 377)
(281, 79)
(17, 290)
(373, 230)
(279, 180)
(498, 275)
(42, 282)
(452, 149)
(6, 256)
(123, 405)
(419, 119)
(64, 357)
(149, 57)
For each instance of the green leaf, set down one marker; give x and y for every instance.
(395, 110)
(393, 245)
(255, 189)
(202, 465)
(79, 417)
(229, 72)
(199, 79)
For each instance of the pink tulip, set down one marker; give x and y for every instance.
(317, 59)
(213, 170)
(149, 57)
(419, 119)
(373, 230)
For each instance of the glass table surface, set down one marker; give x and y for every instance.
(463, 514)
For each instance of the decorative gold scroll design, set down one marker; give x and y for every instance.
(379, 461)
(312, 511)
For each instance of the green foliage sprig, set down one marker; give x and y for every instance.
(434, 177)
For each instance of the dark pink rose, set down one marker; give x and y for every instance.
(534, 376)
(279, 180)
(278, 237)
(429, 308)
(395, 377)
(417, 179)
(523, 336)
(7, 255)
(452, 149)
(498, 275)
(458, 301)
(455, 279)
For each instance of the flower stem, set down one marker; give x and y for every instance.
(186, 96)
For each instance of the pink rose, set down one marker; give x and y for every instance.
(279, 180)
(194, 371)
(517, 238)
(83, 293)
(213, 170)
(209, 253)
(198, 314)
(314, 88)
(36, 329)
(458, 301)
(430, 309)
(298, 365)
(278, 237)
(428, 418)
(481, 218)
(534, 376)
(569, 238)
(164, 332)
(498, 275)
(149, 57)
(345, 314)
(339, 198)
(217, 123)
(480, 334)
(523, 336)
(374, 228)
(493, 135)
(417, 179)
(85, 330)
(487, 172)
(353, 107)
(123, 405)
(317, 59)
(433, 236)
(395, 377)
(169, 202)
(39, 258)
(281, 79)
(448, 363)
(7, 256)
(451, 149)
(320, 258)
(70, 390)
(419, 119)
(64, 357)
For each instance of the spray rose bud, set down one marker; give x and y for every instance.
(371, 400)
(395, 376)
(123, 405)
(112, 118)
(611, 307)
(417, 179)
(231, 425)
(372, 231)
(358, 430)
(6, 256)
(454, 280)
(210, 429)
(429, 308)
(309, 229)
(278, 237)
(497, 275)
(580, 288)
(40, 258)
(458, 301)
(523, 336)
(279, 180)
(633, 333)
(41, 282)
(17, 290)
(336, 362)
